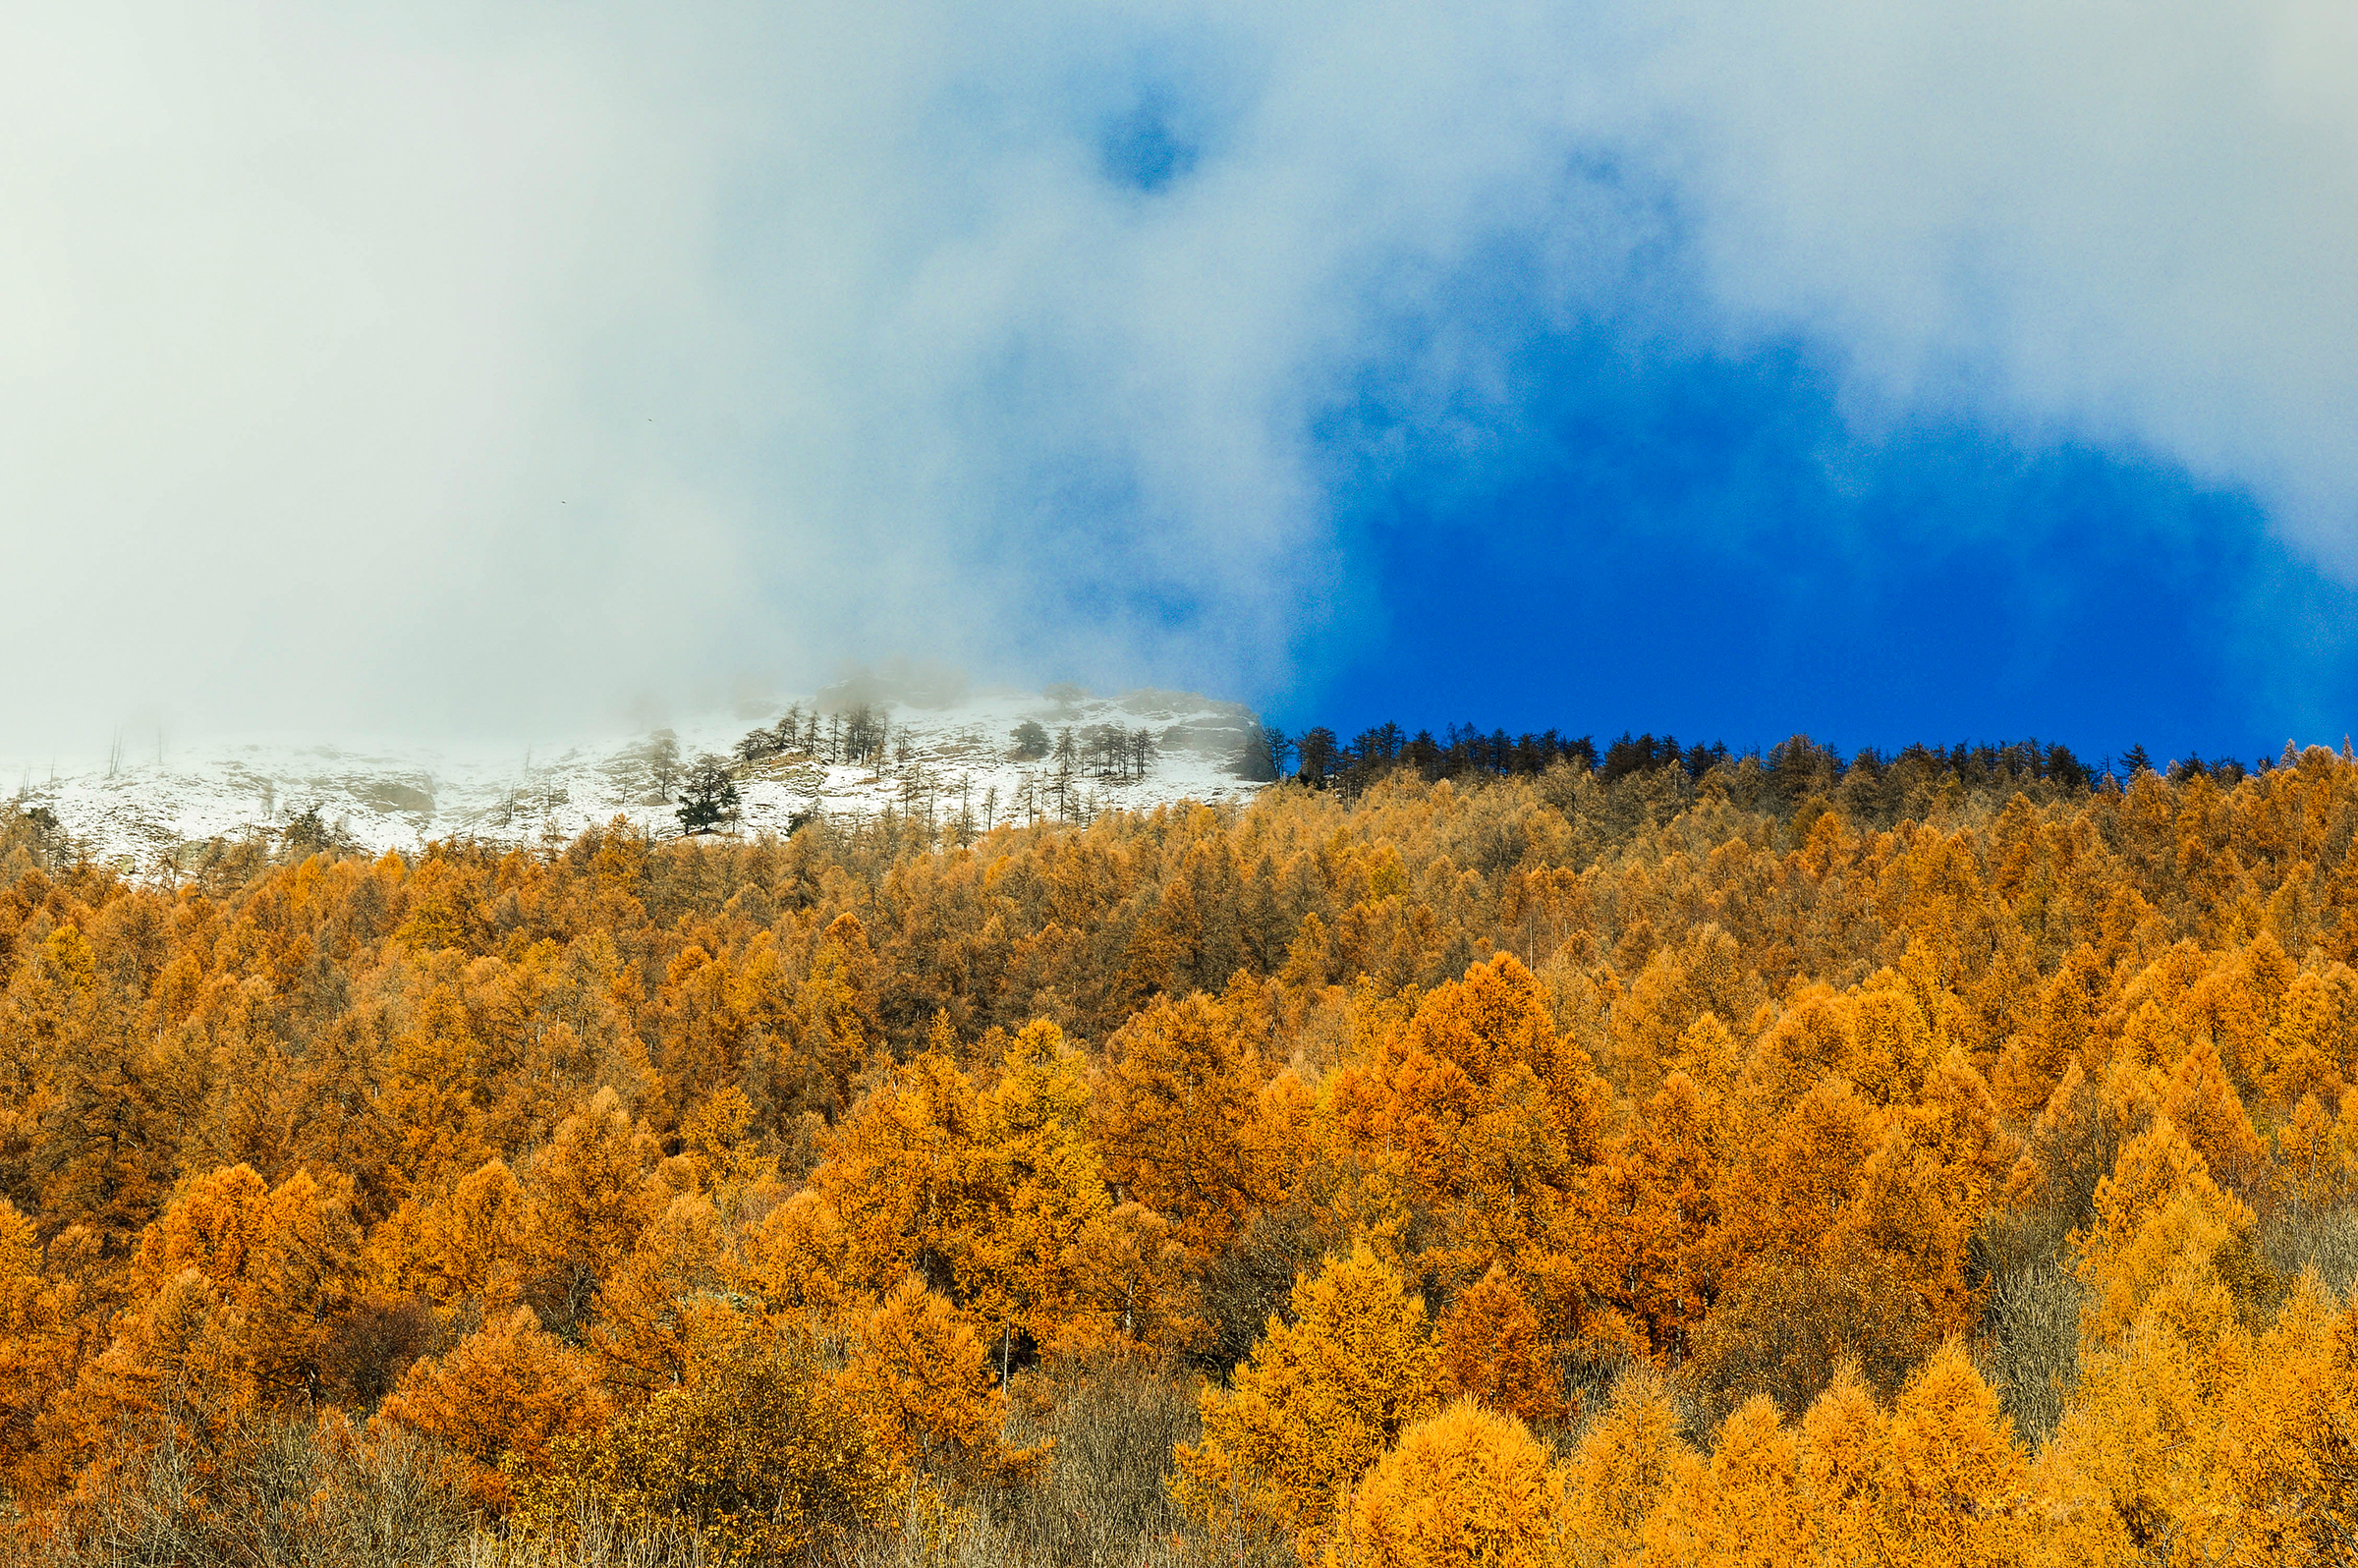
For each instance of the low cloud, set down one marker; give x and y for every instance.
(437, 374)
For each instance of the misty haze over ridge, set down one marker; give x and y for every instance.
(448, 376)
(913, 741)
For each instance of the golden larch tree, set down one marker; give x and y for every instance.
(1318, 1401)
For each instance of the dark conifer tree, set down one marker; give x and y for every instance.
(709, 796)
(1320, 753)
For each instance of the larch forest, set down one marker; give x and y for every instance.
(1495, 1152)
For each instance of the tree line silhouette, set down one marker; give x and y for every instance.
(1318, 757)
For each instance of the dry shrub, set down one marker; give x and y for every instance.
(593, 1539)
(1782, 1327)
(2029, 1347)
(315, 1494)
(1105, 1498)
(2298, 1236)
(1248, 1281)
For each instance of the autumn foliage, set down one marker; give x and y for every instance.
(1744, 1161)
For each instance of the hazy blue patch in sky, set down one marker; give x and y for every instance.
(1146, 147)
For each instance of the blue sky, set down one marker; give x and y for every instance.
(1934, 371)
(1705, 549)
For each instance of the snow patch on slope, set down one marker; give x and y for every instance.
(381, 794)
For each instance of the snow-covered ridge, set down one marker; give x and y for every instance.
(945, 753)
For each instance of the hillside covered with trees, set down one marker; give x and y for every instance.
(1544, 1157)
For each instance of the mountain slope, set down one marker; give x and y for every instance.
(944, 753)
